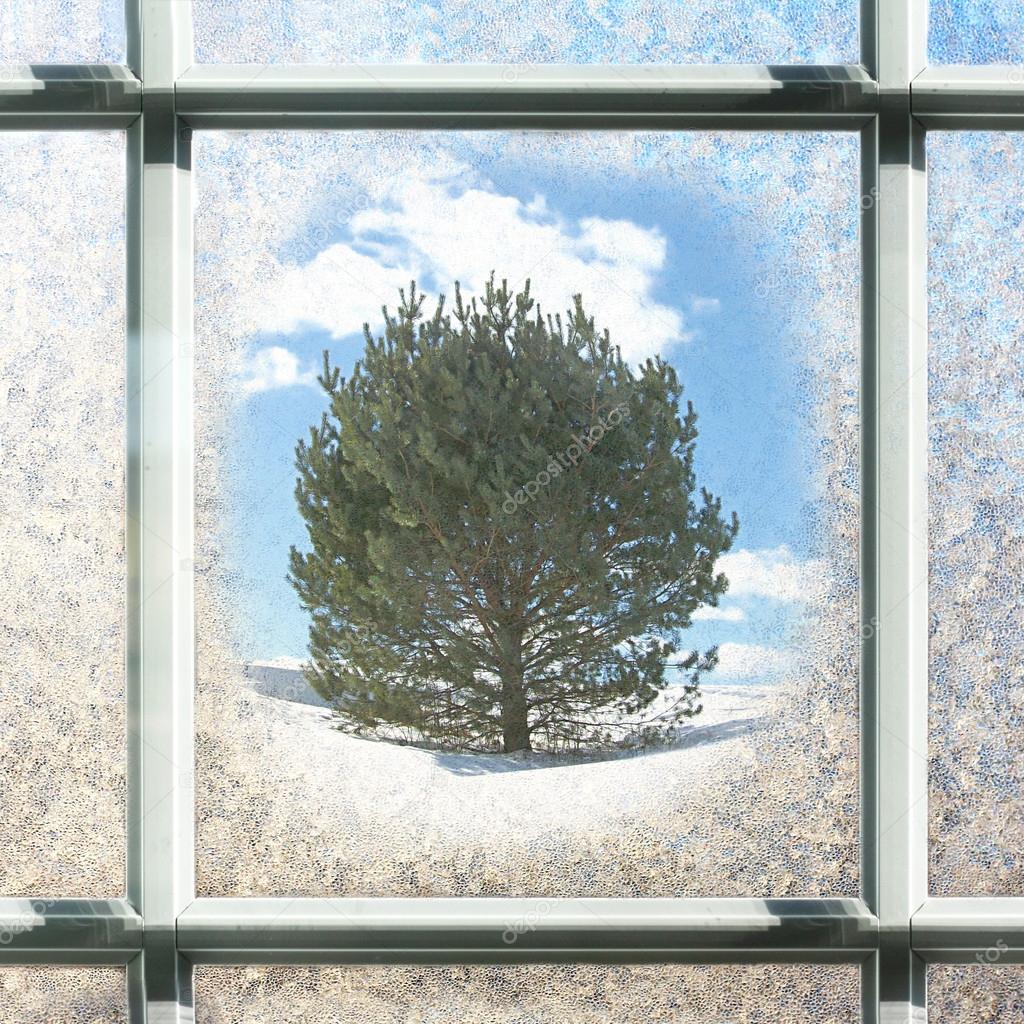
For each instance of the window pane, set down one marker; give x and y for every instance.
(63, 995)
(61, 31)
(976, 32)
(62, 720)
(509, 730)
(561, 994)
(976, 514)
(976, 993)
(531, 32)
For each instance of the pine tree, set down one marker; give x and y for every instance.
(506, 537)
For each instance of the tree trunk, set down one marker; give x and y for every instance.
(515, 721)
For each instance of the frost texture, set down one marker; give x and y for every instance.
(535, 994)
(976, 515)
(286, 806)
(527, 32)
(975, 993)
(977, 32)
(63, 995)
(62, 573)
(61, 31)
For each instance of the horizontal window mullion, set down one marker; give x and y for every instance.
(985, 930)
(84, 97)
(517, 930)
(514, 96)
(969, 98)
(68, 931)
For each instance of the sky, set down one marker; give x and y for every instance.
(663, 264)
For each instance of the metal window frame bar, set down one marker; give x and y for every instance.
(37, 97)
(954, 930)
(49, 931)
(159, 533)
(507, 97)
(970, 98)
(456, 930)
(894, 714)
(160, 930)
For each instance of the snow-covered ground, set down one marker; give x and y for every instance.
(729, 712)
(312, 809)
(757, 796)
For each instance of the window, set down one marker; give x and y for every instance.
(976, 992)
(767, 322)
(458, 31)
(61, 31)
(62, 515)
(976, 482)
(586, 993)
(209, 833)
(64, 995)
(974, 32)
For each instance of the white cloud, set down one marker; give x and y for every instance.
(339, 290)
(702, 304)
(434, 230)
(751, 661)
(707, 613)
(772, 572)
(274, 367)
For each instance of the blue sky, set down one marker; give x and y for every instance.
(667, 266)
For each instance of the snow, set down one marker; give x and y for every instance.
(753, 799)
(448, 793)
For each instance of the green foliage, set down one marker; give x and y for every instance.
(506, 534)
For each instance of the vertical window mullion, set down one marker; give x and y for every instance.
(895, 683)
(159, 521)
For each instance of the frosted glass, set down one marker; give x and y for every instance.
(61, 31)
(976, 514)
(63, 995)
(977, 32)
(563, 994)
(736, 256)
(976, 993)
(529, 32)
(62, 574)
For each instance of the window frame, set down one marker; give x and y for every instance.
(160, 930)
